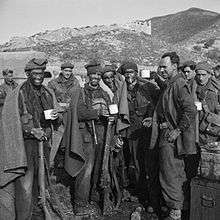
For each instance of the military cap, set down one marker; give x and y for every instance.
(36, 63)
(67, 65)
(6, 71)
(128, 65)
(108, 68)
(93, 66)
(204, 66)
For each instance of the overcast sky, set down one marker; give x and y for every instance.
(26, 17)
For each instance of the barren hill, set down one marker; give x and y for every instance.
(180, 31)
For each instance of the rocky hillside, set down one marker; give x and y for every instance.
(181, 26)
(182, 32)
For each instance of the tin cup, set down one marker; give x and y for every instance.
(47, 114)
(113, 109)
(198, 106)
(145, 73)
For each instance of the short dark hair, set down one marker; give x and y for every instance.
(217, 67)
(191, 64)
(174, 58)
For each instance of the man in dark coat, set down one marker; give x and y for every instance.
(141, 102)
(117, 91)
(64, 84)
(8, 85)
(63, 87)
(173, 128)
(23, 119)
(208, 95)
(83, 157)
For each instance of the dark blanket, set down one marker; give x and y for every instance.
(72, 139)
(13, 160)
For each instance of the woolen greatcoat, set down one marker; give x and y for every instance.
(141, 103)
(209, 96)
(179, 111)
(83, 158)
(19, 155)
(63, 88)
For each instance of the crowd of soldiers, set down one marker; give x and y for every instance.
(123, 137)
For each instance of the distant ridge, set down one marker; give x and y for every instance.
(183, 32)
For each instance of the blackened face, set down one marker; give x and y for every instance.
(130, 76)
(166, 68)
(94, 79)
(36, 77)
(67, 72)
(109, 79)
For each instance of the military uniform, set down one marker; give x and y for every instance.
(141, 103)
(36, 102)
(86, 186)
(63, 88)
(175, 109)
(209, 96)
(5, 88)
(23, 113)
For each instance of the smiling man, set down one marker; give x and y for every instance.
(23, 119)
(64, 85)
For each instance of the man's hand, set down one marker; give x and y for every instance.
(54, 114)
(38, 133)
(147, 122)
(104, 112)
(172, 136)
(117, 143)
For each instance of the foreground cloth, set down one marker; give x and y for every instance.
(18, 155)
(175, 108)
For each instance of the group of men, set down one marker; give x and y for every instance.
(123, 136)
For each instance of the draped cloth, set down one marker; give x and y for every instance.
(122, 101)
(72, 139)
(13, 159)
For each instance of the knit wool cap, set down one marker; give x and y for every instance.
(108, 68)
(67, 65)
(204, 66)
(93, 66)
(128, 65)
(36, 63)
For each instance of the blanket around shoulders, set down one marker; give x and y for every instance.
(72, 140)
